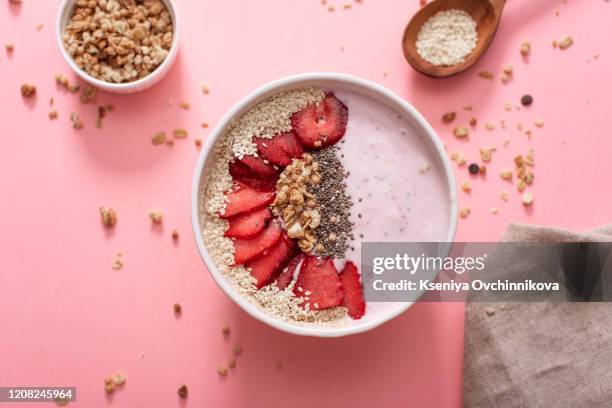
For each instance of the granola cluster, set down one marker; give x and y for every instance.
(119, 40)
(295, 204)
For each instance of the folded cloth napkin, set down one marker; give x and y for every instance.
(539, 354)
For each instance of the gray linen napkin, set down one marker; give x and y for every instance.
(539, 354)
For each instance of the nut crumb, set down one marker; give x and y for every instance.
(506, 174)
(465, 212)
(53, 114)
(461, 132)
(158, 138)
(528, 198)
(503, 195)
(466, 187)
(182, 392)
(222, 371)
(185, 105)
(489, 311)
(566, 42)
(494, 210)
(118, 262)
(28, 90)
(109, 217)
(119, 379)
(226, 330)
(175, 235)
(525, 49)
(77, 123)
(156, 216)
(448, 117)
(178, 310)
(180, 133)
(489, 126)
(237, 350)
(231, 363)
(205, 89)
(486, 74)
(198, 142)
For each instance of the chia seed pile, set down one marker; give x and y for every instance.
(334, 205)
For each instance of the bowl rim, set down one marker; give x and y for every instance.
(239, 108)
(124, 86)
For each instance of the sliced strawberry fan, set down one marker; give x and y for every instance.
(249, 224)
(242, 199)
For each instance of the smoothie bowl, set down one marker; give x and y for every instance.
(295, 177)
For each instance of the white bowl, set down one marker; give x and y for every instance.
(123, 88)
(329, 81)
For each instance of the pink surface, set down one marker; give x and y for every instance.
(69, 319)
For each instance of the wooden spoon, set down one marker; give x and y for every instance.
(486, 13)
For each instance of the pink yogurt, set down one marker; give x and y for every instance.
(398, 188)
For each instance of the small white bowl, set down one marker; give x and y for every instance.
(123, 88)
(328, 81)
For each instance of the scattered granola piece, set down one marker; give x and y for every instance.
(506, 174)
(331, 9)
(76, 121)
(63, 81)
(521, 186)
(28, 90)
(88, 94)
(231, 363)
(464, 212)
(158, 138)
(507, 73)
(198, 142)
(459, 158)
(178, 310)
(9, 48)
(494, 210)
(109, 387)
(486, 74)
(566, 42)
(506, 142)
(347, 6)
(109, 217)
(237, 350)
(448, 117)
(489, 311)
(40, 27)
(527, 198)
(222, 371)
(468, 108)
(61, 401)
(485, 154)
(205, 89)
(175, 235)
(473, 121)
(503, 195)
(525, 49)
(118, 262)
(539, 123)
(466, 187)
(156, 216)
(555, 43)
(508, 106)
(461, 132)
(185, 105)
(226, 330)
(180, 133)
(489, 126)
(482, 170)
(182, 392)
(170, 143)
(119, 379)
(53, 114)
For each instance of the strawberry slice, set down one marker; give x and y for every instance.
(260, 167)
(321, 125)
(241, 173)
(353, 291)
(248, 225)
(286, 276)
(242, 199)
(266, 266)
(290, 144)
(249, 248)
(272, 150)
(319, 281)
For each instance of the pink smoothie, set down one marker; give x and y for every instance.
(398, 188)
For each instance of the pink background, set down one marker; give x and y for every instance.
(69, 319)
